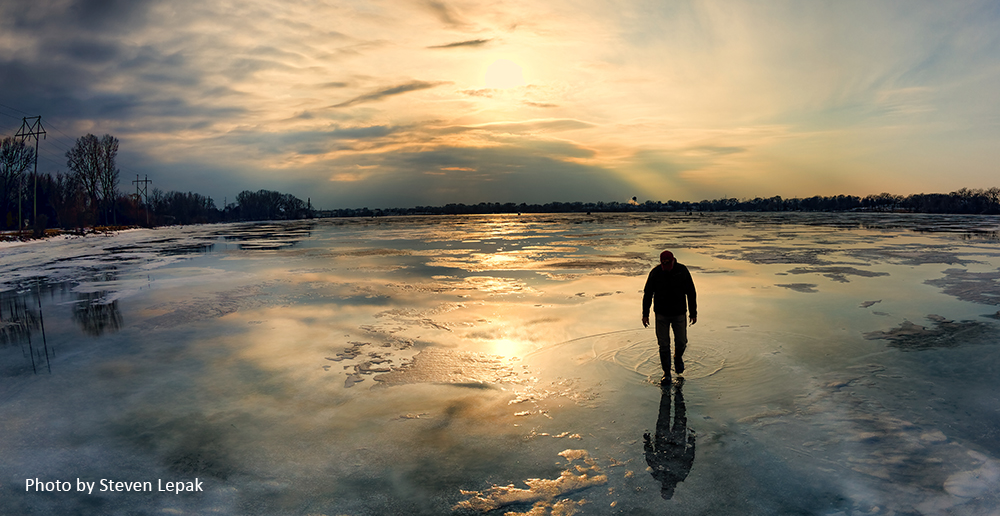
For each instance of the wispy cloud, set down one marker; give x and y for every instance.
(391, 91)
(655, 99)
(447, 14)
(459, 44)
(532, 126)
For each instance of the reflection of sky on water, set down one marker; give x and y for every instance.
(842, 363)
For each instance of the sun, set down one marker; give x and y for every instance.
(504, 73)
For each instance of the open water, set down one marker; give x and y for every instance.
(841, 364)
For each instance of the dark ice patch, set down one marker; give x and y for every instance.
(624, 267)
(475, 385)
(977, 287)
(912, 255)
(167, 246)
(965, 230)
(246, 297)
(944, 333)
(353, 379)
(776, 256)
(808, 288)
(373, 362)
(349, 353)
(373, 252)
(837, 273)
(268, 236)
(298, 228)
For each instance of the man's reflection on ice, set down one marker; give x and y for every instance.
(670, 452)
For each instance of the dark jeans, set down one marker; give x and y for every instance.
(664, 323)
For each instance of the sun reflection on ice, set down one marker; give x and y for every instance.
(508, 348)
(498, 261)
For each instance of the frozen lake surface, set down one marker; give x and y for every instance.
(842, 364)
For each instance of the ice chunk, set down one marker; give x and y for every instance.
(543, 491)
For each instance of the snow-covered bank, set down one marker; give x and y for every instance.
(72, 257)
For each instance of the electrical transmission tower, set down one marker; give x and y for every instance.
(142, 193)
(33, 129)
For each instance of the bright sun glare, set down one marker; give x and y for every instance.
(504, 73)
(507, 348)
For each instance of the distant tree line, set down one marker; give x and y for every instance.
(969, 201)
(88, 195)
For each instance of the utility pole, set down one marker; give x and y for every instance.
(34, 129)
(142, 192)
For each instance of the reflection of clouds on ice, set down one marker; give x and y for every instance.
(975, 483)
(542, 493)
(488, 285)
(629, 265)
(420, 317)
(879, 459)
(558, 276)
(534, 393)
(192, 444)
(246, 297)
(454, 367)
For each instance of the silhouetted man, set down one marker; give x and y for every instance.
(670, 453)
(670, 290)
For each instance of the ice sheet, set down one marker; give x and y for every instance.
(841, 364)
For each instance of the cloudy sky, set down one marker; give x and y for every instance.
(386, 103)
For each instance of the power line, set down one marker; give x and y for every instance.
(64, 134)
(63, 146)
(14, 109)
(68, 146)
(11, 116)
(50, 125)
(57, 164)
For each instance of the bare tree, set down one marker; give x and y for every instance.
(109, 172)
(84, 166)
(15, 159)
(92, 162)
